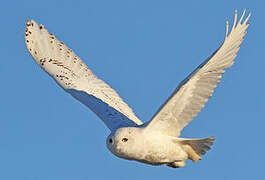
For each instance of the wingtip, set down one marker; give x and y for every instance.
(235, 20)
(235, 23)
(227, 27)
(249, 14)
(30, 22)
(244, 11)
(247, 18)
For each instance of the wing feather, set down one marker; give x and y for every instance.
(194, 91)
(69, 71)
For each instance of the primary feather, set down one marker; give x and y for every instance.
(194, 91)
(69, 71)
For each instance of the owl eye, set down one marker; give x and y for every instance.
(110, 140)
(124, 140)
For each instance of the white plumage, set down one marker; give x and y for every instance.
(194, 91)
(69, 71)
(155, 142)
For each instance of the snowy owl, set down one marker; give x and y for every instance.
(156, 142)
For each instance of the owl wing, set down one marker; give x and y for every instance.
(193, 92)
(72, 74)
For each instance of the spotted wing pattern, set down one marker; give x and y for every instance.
(72, 74)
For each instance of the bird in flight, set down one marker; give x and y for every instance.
(157, 141)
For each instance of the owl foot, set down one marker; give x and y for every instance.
(177, 164)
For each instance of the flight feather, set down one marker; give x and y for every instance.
(73, 75)
(193, 92)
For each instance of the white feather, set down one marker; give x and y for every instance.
(73, 75)
(194, 91)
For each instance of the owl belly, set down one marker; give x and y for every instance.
(161, 150)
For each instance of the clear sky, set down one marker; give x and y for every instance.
(143, 49)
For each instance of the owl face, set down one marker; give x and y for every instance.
(122, 142)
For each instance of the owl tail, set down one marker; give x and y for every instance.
(196, 147)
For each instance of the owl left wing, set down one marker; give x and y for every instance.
(194, 91)
(72, 74)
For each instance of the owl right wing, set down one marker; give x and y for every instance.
(194, 91)
(72, 74)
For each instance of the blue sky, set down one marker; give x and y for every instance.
(143, 49)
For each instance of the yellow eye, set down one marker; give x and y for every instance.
(124, 140)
